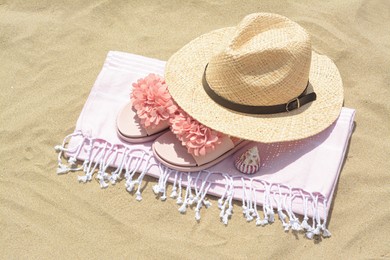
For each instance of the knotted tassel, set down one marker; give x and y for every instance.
(286, 226)
(190, 199)
(225, 214)
(117, 173)
(130, 185)
(163, 197)
(271, 215)
(173, 193)
(179, 201)
(282, 216)
(196, 199)
(325, 232)
(317, 230)
(202, 200)
(174, 189)
(138, 196)
(253, 213)
(207, 204)
(258, 219)
(222, 212)
(103, 184)
(58, 148)
(85, 165)
(295, 225)
(183, 208)
(244, 209)
(72, 162)
(304, 224)
(84, 178)
(156, 189)
(228, 213)
(225, 219)
(100, 177)
(248, 215)
(62, 169)
(264, 221)
(197, 214)
(256, 213)
(161, 188)
(197, 210)
(310, 234)
(220, 203)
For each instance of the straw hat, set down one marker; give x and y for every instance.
(258, 81)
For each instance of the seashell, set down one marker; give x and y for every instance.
(249, 161)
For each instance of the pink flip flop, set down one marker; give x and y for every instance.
(130, 129)
(170, 152)
(191, 146)
(147, 114)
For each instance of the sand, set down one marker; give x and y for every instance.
(51, 53)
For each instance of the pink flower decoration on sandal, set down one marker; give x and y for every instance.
(152, 101)
(198, 138)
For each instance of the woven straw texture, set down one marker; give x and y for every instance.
(265, 60)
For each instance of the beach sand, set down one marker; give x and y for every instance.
(51, 53)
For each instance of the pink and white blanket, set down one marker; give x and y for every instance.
(295, 177)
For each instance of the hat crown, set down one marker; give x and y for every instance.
(267, 62)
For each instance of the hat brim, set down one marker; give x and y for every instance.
(183, 75)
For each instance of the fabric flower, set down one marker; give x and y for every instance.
(152, 101)
(198, 139)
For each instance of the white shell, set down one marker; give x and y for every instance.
(249, 161)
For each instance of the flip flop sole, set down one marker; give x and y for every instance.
(201, 167)
(137, 140)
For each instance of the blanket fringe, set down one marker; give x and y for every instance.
(226, 205)
(102, 154)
